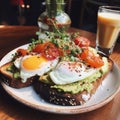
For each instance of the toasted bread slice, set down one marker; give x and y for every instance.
(8, 78)
(63, 98)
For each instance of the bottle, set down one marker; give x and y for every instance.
(54, 18)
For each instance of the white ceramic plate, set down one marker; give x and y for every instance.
(105, 93)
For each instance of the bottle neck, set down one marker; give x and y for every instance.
(54, 6)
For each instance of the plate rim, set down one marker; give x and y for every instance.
(67, 109)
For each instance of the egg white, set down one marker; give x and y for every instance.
(43, 68)
(69, 72)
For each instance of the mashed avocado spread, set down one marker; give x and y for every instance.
(79, 86)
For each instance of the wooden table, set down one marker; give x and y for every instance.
(10, 109)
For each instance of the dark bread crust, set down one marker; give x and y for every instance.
(61, 98)
(7, 78)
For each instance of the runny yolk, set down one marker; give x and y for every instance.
(33, 62)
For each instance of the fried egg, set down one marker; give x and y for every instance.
(69, 72)
(31, 65)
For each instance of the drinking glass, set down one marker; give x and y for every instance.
(108, 28)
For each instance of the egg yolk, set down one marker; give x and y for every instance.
(33, 62)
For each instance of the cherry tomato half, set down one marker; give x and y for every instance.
(48, 50)
(38, 48)
(22, 52)
(92, 60)
(82, 41)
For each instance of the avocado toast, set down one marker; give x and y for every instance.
(62, 68)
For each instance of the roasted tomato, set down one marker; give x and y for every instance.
(48, 50)
(91, 59)
(82, 41)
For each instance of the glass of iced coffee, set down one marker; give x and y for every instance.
(108, 28)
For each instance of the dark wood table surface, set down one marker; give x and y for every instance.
(10, 109)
